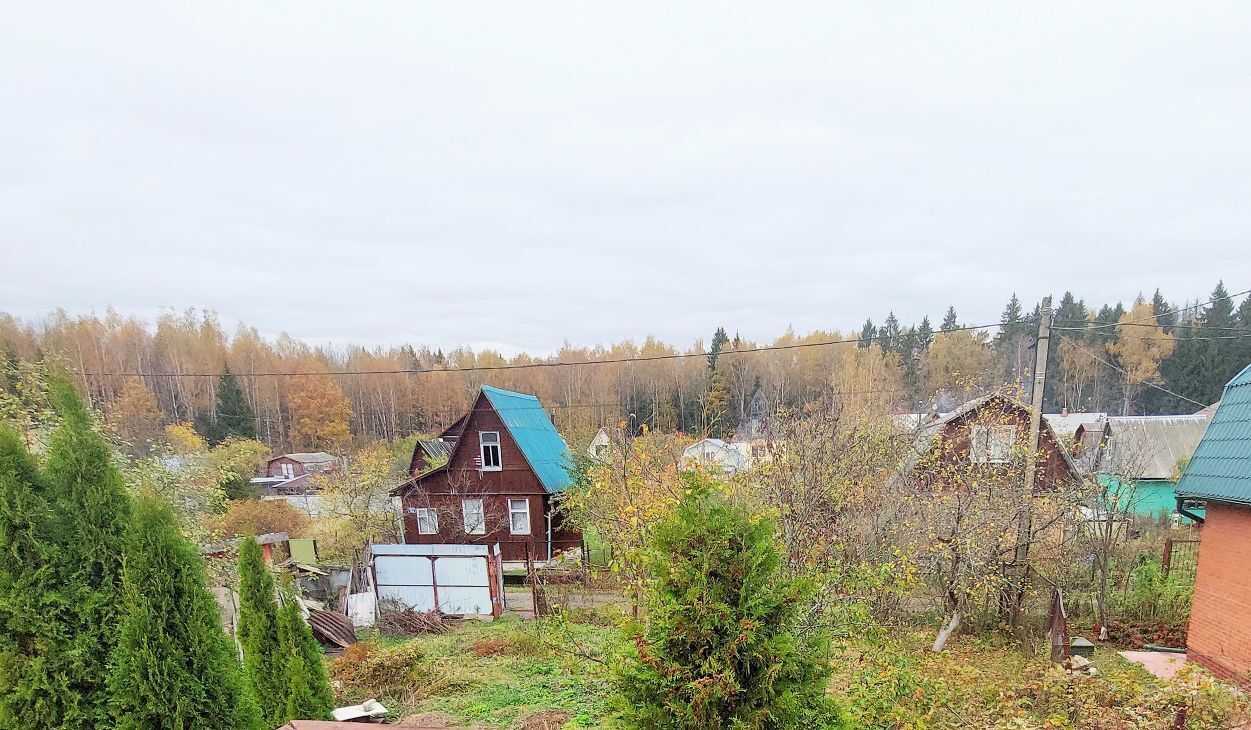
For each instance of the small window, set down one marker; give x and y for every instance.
(288, 471)
(490, 441)
(992, 444)
(519, 516)
(475, 520)
(427, 521)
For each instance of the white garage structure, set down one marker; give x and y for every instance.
(456, 579)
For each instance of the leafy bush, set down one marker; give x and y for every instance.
(724, 646)
(1157, 605)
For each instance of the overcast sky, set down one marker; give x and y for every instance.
(517, 174)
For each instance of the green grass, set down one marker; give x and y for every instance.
(884, 677)
(540, 670)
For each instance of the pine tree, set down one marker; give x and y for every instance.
(867, 333)
(950, 322)
(1220, 359)
(888, 334)
(90, 510)
(719, 341)
(174, 666)
(924, 335)
(1070, 315)
(1164, 313)
(234, 415)
(31, 696)
(306, 686)
(721, 649)
(1243, 322)
(258, 633)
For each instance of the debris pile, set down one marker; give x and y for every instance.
(397, 620)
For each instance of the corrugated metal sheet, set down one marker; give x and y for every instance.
(1150, 447)
(1220, 469)
(534, 433)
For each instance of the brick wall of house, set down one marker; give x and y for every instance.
(1220, 619)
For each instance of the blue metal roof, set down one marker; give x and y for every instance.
(533, 431)
(1220, 469)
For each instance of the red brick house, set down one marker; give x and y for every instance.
(985, 434)
(1218, 476)
(495, 478)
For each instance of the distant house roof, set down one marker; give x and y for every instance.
(532, 429)
(708, 451)
(314, 457)
(1220, 468)
(1150, 447)
(1065, 425)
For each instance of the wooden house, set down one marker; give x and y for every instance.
(291, 466)
(497, 478)
(987, 435)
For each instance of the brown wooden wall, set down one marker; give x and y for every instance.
(954, 444)
(446, 488)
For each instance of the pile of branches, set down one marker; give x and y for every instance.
(398, 620)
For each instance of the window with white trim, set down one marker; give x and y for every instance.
(992, 444)
(490, 442)
(519, 516)
(427, 521)
(288, 470)
(475, 518)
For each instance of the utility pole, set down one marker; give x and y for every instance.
(1037, 391)
(1025, 530)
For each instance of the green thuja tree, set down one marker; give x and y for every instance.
(89, 513)
(263, 669)
(174, 667)
(723, 645)
(32, 694)
(307, 687)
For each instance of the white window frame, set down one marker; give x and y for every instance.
(513, 511)
(477, 524)
(429, 514)
(992, 444)
(288, 470)
(482, 451)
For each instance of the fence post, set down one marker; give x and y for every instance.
(1167, 558)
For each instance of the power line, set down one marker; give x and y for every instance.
(530, 365)
(1140, 337)
(1117, 368)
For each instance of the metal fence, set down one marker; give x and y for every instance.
(1180, 558)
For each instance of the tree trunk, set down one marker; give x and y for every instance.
(940, 642)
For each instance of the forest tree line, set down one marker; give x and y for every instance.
(186, 368)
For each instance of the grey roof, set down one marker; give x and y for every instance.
(1150, 447)
(312, 457)
(436, 447)
(1064, 425)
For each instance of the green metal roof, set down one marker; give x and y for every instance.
(534, 433)
(1220, 469)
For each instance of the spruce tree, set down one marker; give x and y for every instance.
(867, 333)
(258, 634)
(950, 322)
(307, 688)
(173, 667)
(234, 415)
(721, 647)
(31, 645)
(888, 334)
(90, 510)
